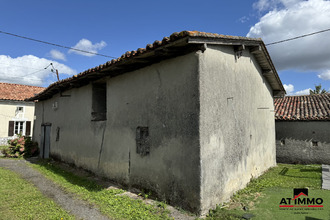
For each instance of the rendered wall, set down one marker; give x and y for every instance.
(294, 142)
(210, 119)
(164, 98)
(237, 127)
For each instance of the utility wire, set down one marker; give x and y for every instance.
(26, 74)
(53, 44)
(19, 66)
(301, 36)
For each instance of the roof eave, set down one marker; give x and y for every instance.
(258, 49)
(176, 45)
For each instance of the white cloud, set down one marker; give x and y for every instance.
(303, 92)
(244, 19)
(265, 5)
(87, 45)
(29, 70)
(291, 18)
(325, 75)
(288, 88)
(57, 55)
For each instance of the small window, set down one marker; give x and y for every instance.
(57, 133)
(142, 141)
(315, 143)
(99, 102)
(19, 109)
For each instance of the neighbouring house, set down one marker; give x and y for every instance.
(189, 118)
(16, 115)
(303, 129)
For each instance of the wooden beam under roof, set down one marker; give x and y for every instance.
(256, 49)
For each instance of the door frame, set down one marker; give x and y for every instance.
(45, 140)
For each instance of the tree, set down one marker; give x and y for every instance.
(318, 90)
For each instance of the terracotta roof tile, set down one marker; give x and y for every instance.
(307, 107)
(18, 92)
(128, 59)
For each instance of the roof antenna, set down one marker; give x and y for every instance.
(53, 68)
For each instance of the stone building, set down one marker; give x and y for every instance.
(303, 129)
(189, 118)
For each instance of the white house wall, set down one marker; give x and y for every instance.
(7, 113)
(237, 127)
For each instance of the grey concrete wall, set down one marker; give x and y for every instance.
(237, 127)
(210, 119)
(79, 138)
(294, 142)
(163, 97)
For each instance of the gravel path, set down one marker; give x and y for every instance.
(76, 207)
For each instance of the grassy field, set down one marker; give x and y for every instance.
(108, 200)
(261, 198)
(19, 199)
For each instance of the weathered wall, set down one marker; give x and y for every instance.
(237, 127)
(210, 119)
(294, 142)
(7, 113)
(79, 138)
(164, 98)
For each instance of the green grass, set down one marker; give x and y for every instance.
(107, 200)
(19, 199)
(262, 196)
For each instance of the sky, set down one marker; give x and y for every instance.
(113, 27)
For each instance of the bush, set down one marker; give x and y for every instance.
(21, 147)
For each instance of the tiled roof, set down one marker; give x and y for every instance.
(17, 92)
(179, 43)
(306, 107)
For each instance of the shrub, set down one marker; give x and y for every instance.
(21, 147)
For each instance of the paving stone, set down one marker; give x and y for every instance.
(325, 176)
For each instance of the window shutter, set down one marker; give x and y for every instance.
(28, 128)
(11, 129)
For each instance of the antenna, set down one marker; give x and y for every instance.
(53, 68)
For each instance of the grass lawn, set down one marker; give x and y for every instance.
(108, 201)
(263, 195)
(19, 199)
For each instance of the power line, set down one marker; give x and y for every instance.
(19, 66)
(26, 74)
(301, 36)
(53, 44)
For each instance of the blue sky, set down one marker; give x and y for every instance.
(114, 27)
